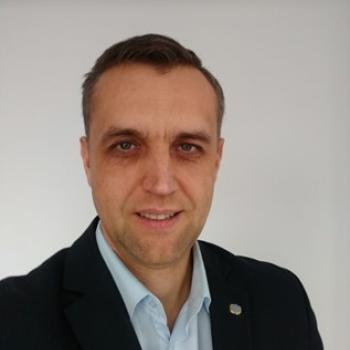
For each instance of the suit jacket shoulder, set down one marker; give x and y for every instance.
(69, 302)
(275, 306)
(31, 314)
(250, 271)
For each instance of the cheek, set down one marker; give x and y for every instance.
(199, 187)
(111, 188)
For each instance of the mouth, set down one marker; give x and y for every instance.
(156, 218)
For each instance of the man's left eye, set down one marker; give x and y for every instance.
(125, 146)
(188, 148)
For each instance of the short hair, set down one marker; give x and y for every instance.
(153, 49)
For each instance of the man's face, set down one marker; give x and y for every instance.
(151, 160)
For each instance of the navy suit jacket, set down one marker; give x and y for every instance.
(71, 302)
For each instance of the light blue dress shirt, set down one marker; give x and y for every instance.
(192, 327)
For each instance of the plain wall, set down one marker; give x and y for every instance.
(283, 192)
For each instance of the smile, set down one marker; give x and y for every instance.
(157, 217)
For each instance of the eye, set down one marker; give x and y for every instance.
(125, 146)
(188, 148)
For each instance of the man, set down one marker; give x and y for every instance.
(138, 278)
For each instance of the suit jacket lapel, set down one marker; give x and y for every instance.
(229, 330)
(92, 303)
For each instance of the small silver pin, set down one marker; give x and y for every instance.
(235, 309)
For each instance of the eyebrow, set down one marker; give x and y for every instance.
(196, 135)
(114, 132)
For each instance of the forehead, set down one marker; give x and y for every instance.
(140, 95)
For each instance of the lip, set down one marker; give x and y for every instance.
(158, 224)
(158, 211)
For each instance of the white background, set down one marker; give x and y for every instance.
(283, 192)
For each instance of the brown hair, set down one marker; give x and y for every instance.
(154, 49)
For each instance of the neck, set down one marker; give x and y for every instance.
(171, 284)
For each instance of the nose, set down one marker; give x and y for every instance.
(159, 175)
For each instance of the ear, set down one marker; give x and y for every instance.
(84, 152)
(219, 151)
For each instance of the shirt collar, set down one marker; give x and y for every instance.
(133, 291)
(130, 288)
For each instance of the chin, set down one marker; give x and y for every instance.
(161, 257)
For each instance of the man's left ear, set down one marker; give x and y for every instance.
(84, 152)
(220, 149)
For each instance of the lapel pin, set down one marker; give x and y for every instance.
(235, 309)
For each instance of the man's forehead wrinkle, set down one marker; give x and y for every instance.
(125, 79)
(116, 131)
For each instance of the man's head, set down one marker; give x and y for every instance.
(156, 50)
(152, 151)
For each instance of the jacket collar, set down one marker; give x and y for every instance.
(230, 330)
(92, 303)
